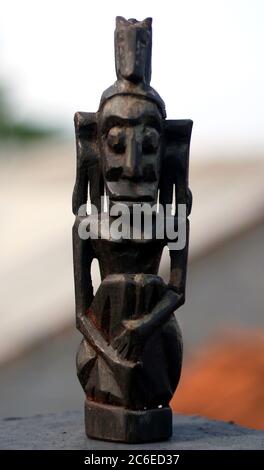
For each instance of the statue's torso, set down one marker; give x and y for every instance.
(126, 256)
(129, 257)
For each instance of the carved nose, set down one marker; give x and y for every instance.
(133, 69)
(131, 167)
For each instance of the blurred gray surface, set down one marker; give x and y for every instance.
(225, 291)
(66, 431)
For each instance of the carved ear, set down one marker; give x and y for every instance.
(175, 165)
(87, 168)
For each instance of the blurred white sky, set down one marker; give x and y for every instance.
(57, 56)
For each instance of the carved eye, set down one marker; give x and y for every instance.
(151, 140)
(116, 139)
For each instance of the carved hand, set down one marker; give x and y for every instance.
(130, 342)
(107, 351)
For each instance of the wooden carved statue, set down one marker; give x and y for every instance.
(129, 361)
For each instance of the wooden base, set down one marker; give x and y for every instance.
(114, 423)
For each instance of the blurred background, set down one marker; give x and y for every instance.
(57, 57)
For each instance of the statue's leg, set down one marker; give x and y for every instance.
(162, 362)
(106, 417)
(132, 407)
(96, 377)
(173, 348)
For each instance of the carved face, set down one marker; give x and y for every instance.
(133, 49)
(131, 147)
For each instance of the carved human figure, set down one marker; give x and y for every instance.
(129, 361)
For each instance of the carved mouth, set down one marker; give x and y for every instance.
(132, 192)
(131, 198)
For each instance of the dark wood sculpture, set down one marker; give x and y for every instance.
(129, 361)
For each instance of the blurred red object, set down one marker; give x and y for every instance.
(226, 380)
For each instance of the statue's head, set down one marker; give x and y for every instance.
(130, 119)
(128, 148)
(130, 130)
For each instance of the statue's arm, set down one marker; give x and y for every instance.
(160, 313)
(83, 256)
(178, 268)
(101, 346)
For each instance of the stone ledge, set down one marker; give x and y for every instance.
(66, 431)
